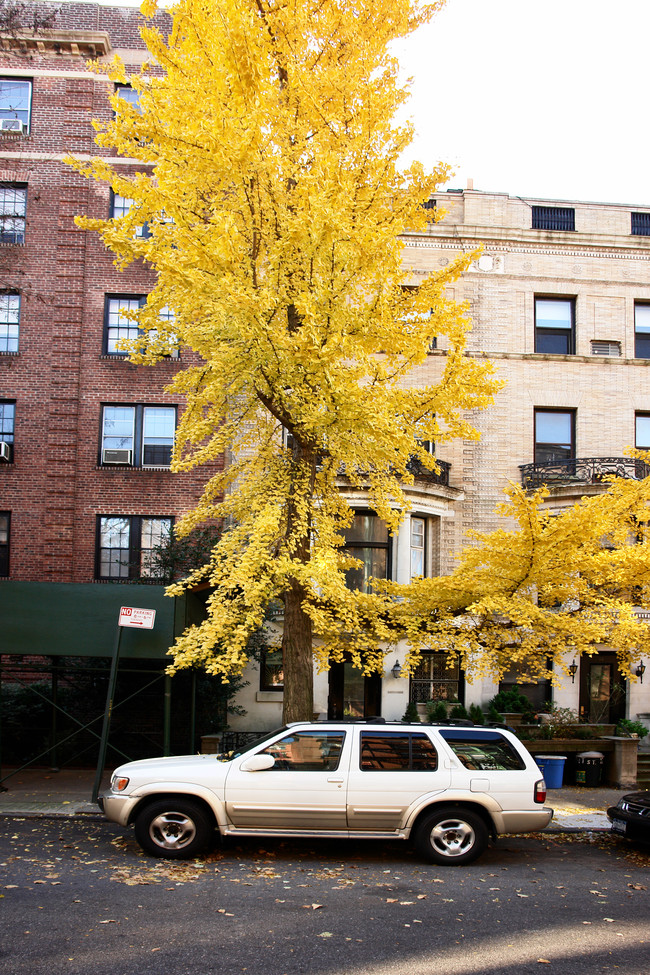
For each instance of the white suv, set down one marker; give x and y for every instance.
(447, 787)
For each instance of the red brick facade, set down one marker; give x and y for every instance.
(54, 485)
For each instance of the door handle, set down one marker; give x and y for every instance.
(339, 780)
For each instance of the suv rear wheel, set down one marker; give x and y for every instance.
(451, 836)
(173, 828)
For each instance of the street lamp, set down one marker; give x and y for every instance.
(396, 670)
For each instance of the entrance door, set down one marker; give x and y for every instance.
(351, 695)
(602, 689)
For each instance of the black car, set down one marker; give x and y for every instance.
(631, 816)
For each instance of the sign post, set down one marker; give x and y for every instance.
(129, 616)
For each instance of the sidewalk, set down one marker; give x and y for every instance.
(43, 792)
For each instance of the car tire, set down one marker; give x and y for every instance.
(451, 837)
(175, 829)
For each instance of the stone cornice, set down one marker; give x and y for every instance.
(522, 242)
(78, 43)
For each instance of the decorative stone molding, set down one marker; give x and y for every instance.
(78, 43)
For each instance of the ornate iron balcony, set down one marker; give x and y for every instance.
(421, 473)
(581, 470)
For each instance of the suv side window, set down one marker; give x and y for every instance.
(486, 751)
(307, 751)
(395, 751)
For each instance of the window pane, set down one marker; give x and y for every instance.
(118, 427)
(397, 752)
(114, 541)
(9, 318)
(417, 547)
(13, 206)
(307, 751)
(15, 98)
(158, 435)
(642, 318)
(488, 751)
(7, 417)
(375, 564)
(128, 94)
(119, 326)
(155, 532)
(272, 671)
(551, 313)
(367, 528)
(553, 437)
(643, 431)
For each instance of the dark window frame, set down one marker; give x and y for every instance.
(132, 327)
(640, 223)
(553, 218)
(641, 338)
(5, 546)
(134, 563)
(6, 324)
(370, 546)
(538, 445)
(16, 235)
(13, 113)
(139, 448)
(8, 430)
(545, 335)
(269, 668)
(375, 762)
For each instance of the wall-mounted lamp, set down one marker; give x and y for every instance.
(396, 670)
(640, 671)
(573, 670)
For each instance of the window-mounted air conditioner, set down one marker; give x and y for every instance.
(12, 125)
(111, 456)
(601, 347)
(5, 450)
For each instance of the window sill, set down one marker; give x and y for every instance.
(9, 353)
(266, 696)
(132, 467)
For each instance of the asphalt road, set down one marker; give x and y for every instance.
(77, 896)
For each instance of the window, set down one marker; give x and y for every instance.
(641, 330)
(142, 436)
(487, 751)
(641, 224)
(554, 436)
(367, 539)
(120, 206)
(15, 104)
(433, 680)
(418, 565)
(554, 325)
(128, 94)
(7, 418)
(9, 320)
(119, 327)
(396, 751)
(642, 439)
(554, 218)
(307, 751)
(126, 546)
(13, 208)
(5, 521)
(271, 671)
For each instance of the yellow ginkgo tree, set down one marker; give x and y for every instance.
(551, 585)
(269, 178)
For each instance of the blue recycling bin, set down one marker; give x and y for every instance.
(552, 768)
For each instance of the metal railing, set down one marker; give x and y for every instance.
(582, 470)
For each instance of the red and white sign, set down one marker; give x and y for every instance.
(130, 616)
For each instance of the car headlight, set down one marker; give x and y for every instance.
(119, 783)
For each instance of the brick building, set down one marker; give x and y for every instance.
(85, 486)
(560, 301)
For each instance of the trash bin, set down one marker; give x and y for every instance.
(589, 768)
(552, 768)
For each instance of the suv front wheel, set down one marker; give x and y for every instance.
(173, 828)
(451, 837)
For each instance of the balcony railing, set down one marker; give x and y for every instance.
(582, 470)
(422, 473)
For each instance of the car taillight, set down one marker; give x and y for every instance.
(540, 791)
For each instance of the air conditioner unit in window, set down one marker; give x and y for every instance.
(601, 347)
(116, 456)
(5, 451)
(11, 125)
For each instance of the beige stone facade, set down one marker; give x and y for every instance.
(601, 271)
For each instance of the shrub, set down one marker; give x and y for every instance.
(411, 713)
(436, 711)
(458, 711)
(476, 714)
(512, 700)
(626, 728)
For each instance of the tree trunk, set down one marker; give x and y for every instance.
(297, 658)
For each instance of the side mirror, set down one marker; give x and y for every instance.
(258, 763)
